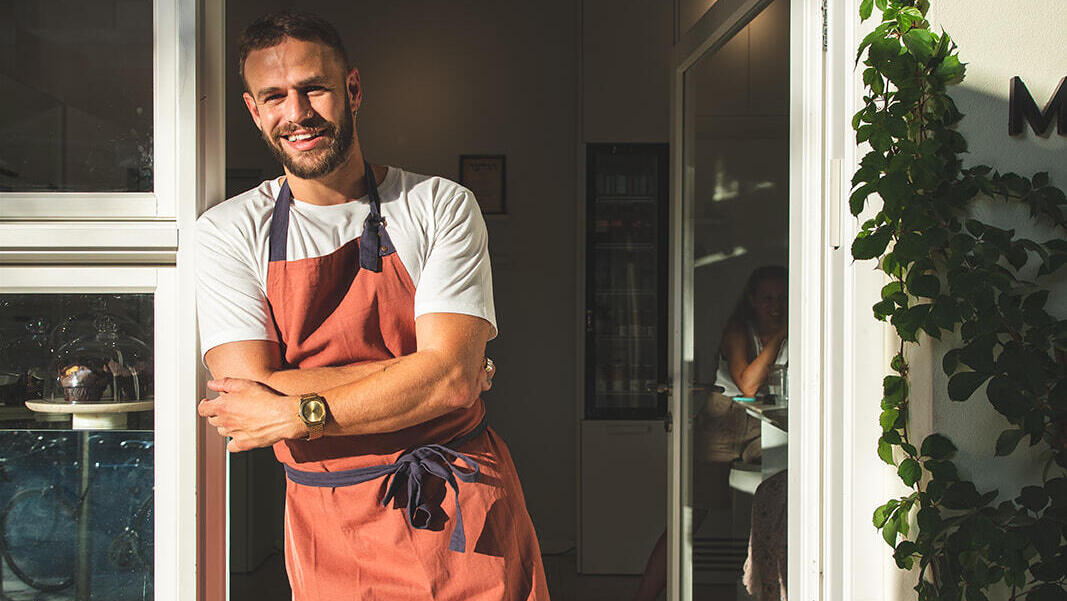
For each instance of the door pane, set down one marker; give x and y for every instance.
(76, 113)
(734, 349)
(76, 446)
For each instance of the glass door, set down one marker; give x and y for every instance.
(730, 394)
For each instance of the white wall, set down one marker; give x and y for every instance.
(998, 42)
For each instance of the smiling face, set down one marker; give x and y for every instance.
(302, 101)
(768, 302)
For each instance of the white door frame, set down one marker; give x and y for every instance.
(807, 314)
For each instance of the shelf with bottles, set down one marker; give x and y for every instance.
(637, 271)
(624, 221)
(630, 183)
(626, 323)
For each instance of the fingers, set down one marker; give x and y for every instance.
(228, 384)
(207, 408)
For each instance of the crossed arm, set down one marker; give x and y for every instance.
(749, 375)
(258, 401)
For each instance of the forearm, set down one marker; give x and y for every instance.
(754, 376)
(294, 382)
(414, 389)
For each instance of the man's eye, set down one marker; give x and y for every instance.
(273, 98)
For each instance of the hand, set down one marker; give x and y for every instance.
(488, 371)
(251, 414)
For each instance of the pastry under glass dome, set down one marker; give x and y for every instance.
(105, 367)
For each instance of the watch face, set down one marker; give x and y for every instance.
(313, 410)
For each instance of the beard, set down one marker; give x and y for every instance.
(319, 161)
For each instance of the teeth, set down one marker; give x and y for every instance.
(299, 137)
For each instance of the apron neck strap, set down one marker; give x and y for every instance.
(371, 248)
(279, 223)
(374, 242)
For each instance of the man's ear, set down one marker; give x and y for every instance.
(354, 89)
(252, 108)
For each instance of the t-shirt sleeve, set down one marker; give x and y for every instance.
(230, 301)
(457, 276)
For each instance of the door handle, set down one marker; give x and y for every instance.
(666, 389)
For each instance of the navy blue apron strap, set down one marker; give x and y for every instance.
(279, 223)
(410, 471)
(374, 242)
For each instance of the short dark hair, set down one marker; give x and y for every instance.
(271, 29)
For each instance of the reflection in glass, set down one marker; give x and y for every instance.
(76, 112)
(76, 515)
(76, 505)
(74, 348)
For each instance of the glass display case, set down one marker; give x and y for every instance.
(626, 280)
(76, 429)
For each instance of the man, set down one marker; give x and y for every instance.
(344, 311)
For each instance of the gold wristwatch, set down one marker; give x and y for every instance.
(313, 413)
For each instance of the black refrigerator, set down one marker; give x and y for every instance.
(627, 260)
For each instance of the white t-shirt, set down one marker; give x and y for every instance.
(434, 224)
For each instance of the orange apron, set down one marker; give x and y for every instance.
(354, 305)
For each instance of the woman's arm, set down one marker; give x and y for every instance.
(749, 375)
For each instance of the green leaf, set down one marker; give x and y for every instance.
(910, 471)
(859, 198)
(1005, 396)
(903, 554)
(871, 245)
(1047, 592)
(888, 419)
(925, 285)
(1007, 441)
(937, 446)
(866, 8)
(943, 45)
(961, 495)
(881, 515)
(879, 32)
(890, 530)
(950, 71)
(942, 470)
(929, 520)
(1033, 498)
(920, 44)
(951, 362)
(962, 385)
(885, 452)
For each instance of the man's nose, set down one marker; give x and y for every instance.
(297, 107)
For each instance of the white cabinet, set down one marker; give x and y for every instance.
(623, 494)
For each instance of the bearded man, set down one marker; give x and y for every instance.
(344, 311)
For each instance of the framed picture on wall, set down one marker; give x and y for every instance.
(483, 174)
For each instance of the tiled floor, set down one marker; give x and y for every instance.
(268, 583)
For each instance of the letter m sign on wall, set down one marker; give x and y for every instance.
(1023, 109)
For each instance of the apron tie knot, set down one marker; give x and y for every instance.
(412, 470)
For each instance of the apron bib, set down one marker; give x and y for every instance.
(354, 305)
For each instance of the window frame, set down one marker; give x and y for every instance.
(175, 427)
(169, 73)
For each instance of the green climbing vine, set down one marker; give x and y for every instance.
(977, 286)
